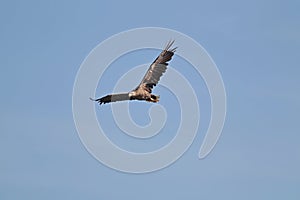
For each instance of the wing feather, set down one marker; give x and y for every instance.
(112, 98)
(158, 67)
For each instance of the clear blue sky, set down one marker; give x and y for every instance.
(256, 45)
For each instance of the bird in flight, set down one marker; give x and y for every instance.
(143, 91)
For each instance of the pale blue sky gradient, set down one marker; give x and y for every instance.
(255, 44)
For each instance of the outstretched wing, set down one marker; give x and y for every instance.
(157, 68)
(112, 98)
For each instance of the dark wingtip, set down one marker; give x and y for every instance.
(169, 45)
(98, 100)
(173, 50)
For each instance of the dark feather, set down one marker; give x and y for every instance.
(158, 67)
(112, 98)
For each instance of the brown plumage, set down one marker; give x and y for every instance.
(144, 89)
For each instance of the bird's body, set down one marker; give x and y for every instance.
(143, 91)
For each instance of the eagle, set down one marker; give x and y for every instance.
(143, 91)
